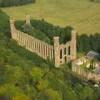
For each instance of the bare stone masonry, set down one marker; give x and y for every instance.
(60, 53)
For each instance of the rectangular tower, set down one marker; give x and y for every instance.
(56, 52)
(73, 45)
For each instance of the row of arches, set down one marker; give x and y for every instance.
(65, 53)
(39, 47)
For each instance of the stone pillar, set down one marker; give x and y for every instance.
(45, 51)
(38, 47)
(56, 52)
(73, 45)
(28, 20)
(42, 50)
(12, 27)
(52, 53)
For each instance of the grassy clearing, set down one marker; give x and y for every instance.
(81, 14)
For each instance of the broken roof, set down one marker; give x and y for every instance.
(93, 55)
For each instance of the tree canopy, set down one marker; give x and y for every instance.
(5, 3)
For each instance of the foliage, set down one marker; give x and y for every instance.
(53, 94)
(36, 33)
(37, 73)
(25, 76)
(95, 0)
(86, 43)
(6, 3)
(42, 84)
(45, 31)
(51, 30)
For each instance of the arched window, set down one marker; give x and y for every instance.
(65, 58)
(69, 50)
(61, 54)
(65, 51)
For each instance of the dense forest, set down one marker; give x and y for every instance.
(25, 76)
(6, 3)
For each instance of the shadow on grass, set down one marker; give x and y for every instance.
(4, 23)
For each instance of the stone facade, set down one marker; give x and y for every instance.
(60, 53)
(78, 68)
(56, 51)
(65, 52)
(73, 45)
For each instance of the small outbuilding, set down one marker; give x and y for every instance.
(93, 55)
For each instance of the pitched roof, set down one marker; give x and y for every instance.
(93, 55)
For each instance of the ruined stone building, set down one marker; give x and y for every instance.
(82, 66)
(60, 53)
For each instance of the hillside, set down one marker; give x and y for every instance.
(25, 76)
(83, 15)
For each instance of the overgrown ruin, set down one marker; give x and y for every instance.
(60, 53)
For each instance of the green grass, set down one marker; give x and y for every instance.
(81, 14)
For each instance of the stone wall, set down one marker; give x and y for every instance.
(86, 74)
(61, 53)
(39, 47)
(65, 53)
